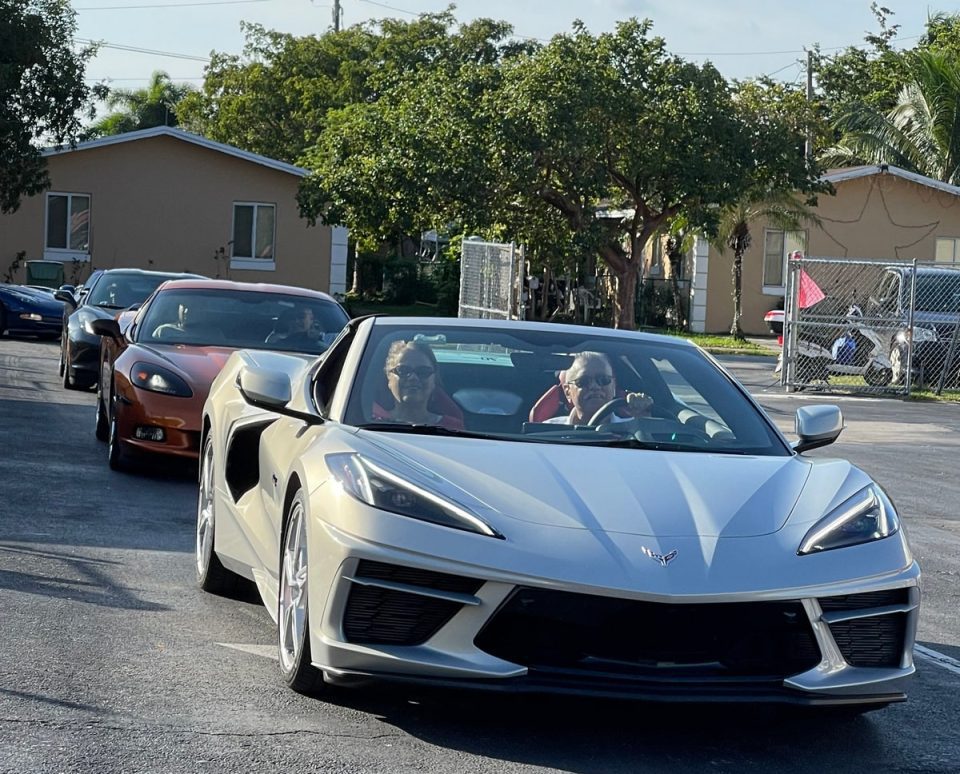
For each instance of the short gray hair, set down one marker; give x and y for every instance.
(582, 359)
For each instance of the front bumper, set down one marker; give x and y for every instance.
(178, 418)
(459, 651)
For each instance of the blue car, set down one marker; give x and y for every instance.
(25, 310)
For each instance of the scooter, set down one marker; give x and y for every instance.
(858, 351)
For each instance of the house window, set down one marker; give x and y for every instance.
(253, 236)
(68, 227)
(777, 245)
(948, 250)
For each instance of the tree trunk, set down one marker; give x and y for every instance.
(735, 330)
(626, 317)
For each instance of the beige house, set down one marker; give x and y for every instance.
(167, 200)
(880, 213)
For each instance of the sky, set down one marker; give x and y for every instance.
(743, 38)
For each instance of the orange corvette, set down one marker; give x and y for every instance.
(157, 364)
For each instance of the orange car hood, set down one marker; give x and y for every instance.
(198, 365)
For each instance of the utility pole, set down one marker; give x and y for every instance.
(808, 149)
(336, 15)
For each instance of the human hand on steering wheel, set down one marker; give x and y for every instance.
(638, 404)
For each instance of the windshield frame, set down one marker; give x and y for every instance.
(351, 413)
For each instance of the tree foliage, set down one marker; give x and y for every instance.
(42, 91)
(133, 109)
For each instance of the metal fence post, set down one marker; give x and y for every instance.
(908, 381)
(788, 371)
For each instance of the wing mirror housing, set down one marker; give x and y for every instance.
(109, 328)
(270, 390)
(817, 426)
(65, 293)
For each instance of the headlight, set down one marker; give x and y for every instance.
(87, 321)
(920, 335)
(380, 488)
(867, 516)
(154, 378)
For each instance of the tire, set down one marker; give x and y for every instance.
(68, 381)
(60, 364)
(878, 377)
(293, 616)
(212, 576)
(115, 456)
(102, 429)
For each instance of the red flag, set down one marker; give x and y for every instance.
(809, 292)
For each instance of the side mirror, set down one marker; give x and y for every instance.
(109, 328)
(270, 390)
(65, 294)
(263, 388)
(817, 426)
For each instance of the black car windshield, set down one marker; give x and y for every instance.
(568, 386)
(938, 292)
(246, 319)
(119, 290)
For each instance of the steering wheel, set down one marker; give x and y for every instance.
(607, 408)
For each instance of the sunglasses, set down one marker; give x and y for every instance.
(405, 372)
(601, 380)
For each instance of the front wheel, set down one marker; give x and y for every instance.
(115, 456)
(878, 377)
(212, 576)
(68, 381)
(293, 616)
(102, 427)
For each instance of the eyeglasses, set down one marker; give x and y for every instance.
(404, 372)
(601, 380)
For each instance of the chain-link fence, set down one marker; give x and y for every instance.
(491, 280)
(871, 326)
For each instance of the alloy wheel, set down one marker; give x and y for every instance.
(292, 608)
(205, 514)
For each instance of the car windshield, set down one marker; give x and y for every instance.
(119, 290)
(547, 386)
(241, 319)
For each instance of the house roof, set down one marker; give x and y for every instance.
(180, 134)
(852, 173)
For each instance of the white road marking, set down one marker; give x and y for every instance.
(941, 660)
(265, 651)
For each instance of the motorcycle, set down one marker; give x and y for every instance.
(858, 351)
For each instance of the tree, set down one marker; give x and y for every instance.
(783, 182)
(919, 132)
(615, 120)
(133, 109)
(42, 91)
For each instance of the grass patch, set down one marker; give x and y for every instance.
(718, 343)
(947, 396)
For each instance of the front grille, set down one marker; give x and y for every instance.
(871, 642)
(868, 600)
(590, 635)
(379, 616)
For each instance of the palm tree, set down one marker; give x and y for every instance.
(782, 209)
(921, 133)
(154, 105)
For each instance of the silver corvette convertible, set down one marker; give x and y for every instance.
(544, 508)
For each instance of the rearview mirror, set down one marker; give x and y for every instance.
(817, 426)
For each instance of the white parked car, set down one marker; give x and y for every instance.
(536, 507)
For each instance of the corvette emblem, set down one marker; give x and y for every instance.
(664, 559)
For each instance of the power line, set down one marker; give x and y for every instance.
(392, 7)
(137, 50)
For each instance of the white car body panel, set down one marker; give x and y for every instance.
(578, 519)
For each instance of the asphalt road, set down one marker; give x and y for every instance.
(111, 660)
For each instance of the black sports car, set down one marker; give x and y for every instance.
(104, 296)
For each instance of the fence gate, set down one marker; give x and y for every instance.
(491, 280)
(845, 326)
